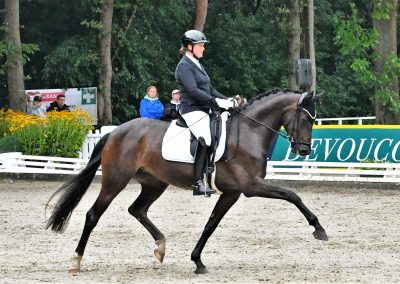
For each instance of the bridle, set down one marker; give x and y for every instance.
(311, 118)
(295, 129)
(292, 140)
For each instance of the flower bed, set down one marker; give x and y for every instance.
(60, 134)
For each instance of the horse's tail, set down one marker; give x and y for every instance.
(73, 189)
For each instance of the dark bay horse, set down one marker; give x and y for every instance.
(133, 151)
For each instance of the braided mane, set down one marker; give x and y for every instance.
(258, 97)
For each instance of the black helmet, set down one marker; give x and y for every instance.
(193, 36)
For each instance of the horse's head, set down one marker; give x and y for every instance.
(299, 123)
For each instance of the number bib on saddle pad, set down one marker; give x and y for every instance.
(176, 142)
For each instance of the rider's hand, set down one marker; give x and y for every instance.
(225, 103)
(240, 100)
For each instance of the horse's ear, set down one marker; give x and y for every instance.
(306, 99)
(318, 98)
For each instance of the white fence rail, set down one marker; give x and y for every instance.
(283, 170)
(333, 171)
(340, 120)
(15, 162)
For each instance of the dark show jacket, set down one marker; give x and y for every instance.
(54, 106)
(194, 84)
(170, 111)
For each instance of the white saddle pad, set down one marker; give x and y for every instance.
(176, 142)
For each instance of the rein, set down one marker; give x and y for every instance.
(280, 133)
(293, 141)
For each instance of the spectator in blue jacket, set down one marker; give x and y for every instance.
(150, 105)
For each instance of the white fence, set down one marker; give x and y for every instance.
(339, 121)
(276, 170)
(15, 162)
(91, 141)
(333, 171)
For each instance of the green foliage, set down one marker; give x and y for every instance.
(247, 53)
(73, 63)
(248, 58)
(352, 37)
(382, 9)
(10, 144)
(61, 134)
(356, 43)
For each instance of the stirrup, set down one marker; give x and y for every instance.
(200, 189)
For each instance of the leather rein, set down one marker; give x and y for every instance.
(292, 140)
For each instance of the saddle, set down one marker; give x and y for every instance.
(179, 144)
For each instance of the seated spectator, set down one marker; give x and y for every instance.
(171, 107)
(150, 105)
(35, 107)
(59, 104)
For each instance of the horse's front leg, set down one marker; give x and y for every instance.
(224, 203)
(259, 187)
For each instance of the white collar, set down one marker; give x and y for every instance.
(195, 61)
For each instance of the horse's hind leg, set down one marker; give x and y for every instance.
(151, 191)
(109, 190)
(261, 188)
(224, 203)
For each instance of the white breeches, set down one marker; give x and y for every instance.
(199, 125)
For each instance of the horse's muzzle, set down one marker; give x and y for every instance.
(301, 149)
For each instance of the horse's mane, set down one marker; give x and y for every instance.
(258, 97)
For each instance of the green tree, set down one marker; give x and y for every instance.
(359, 42)
(15, 71)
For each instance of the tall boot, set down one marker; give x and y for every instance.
(199, 188)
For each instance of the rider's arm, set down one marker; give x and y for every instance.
(187, 80)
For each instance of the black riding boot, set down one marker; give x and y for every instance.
(199, 188)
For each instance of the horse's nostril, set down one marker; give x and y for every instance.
(304, 152)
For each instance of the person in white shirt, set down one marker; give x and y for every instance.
(35, 107)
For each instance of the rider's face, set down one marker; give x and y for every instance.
(198, 50)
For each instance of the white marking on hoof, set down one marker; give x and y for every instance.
(159, 251)
(75, 265)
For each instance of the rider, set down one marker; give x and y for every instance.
(197, 99)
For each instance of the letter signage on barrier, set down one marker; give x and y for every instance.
(347, 143)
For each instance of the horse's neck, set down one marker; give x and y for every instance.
(268, 111)
(267, 115)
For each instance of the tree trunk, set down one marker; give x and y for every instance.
(104, 94)
(294, 41)
(15, 71)
(387, 43)
(311, 46)
(201, 14)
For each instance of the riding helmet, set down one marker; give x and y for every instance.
(192, 37)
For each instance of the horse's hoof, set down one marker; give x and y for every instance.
(73, 271)
(201, 270)
(159, 251)
(76, 264)
(320, 235)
